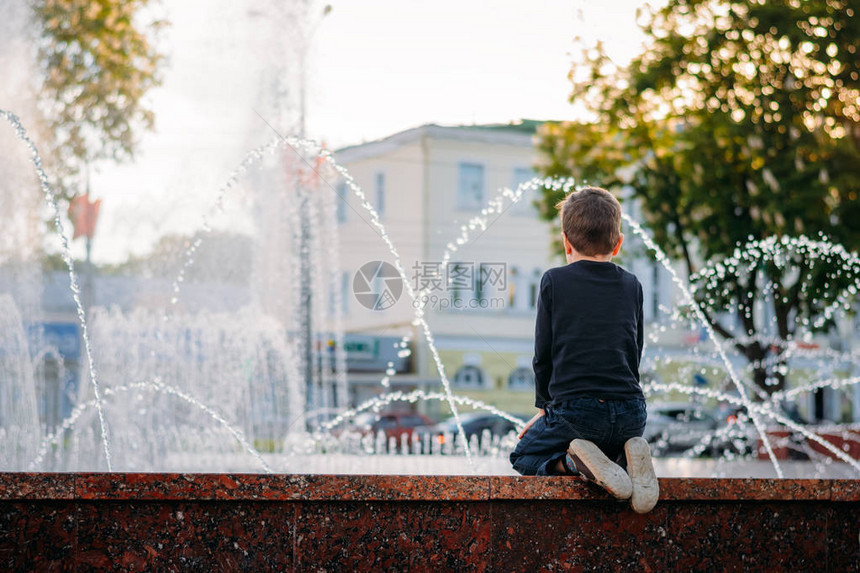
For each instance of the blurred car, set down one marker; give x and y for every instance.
(361, 423)
(474, 424)
(391, 424)
(316, 420)
(727, 411)
(397, 424)
(678, 426)
(740, 436)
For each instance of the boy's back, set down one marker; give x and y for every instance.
(588, 333)
(588, 342)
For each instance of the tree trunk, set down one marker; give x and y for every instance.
(756, 354)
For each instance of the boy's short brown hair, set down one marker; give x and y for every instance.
(591, 220)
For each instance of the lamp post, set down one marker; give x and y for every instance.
(83, 215)
(305, 294)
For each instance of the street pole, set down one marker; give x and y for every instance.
(88, 265)
(305, 297)
(314, 395)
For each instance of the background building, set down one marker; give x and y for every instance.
(428, 183)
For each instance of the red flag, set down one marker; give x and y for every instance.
(319, 164)
(84, 215)
(307, 175)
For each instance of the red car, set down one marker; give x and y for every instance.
(396, 424)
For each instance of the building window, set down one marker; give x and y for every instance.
(345, 291)
(332, 296)
(479, 286)
(513, 288)
(524, 205)
(469, 376)
(460, 281)
(534, 285)
(341, 206)
(521, 378)
(470, 190)
(380, 193)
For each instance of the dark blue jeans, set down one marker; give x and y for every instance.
(607, 423)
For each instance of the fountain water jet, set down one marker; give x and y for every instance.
(664, 260)
(479, 223)
(73, 277)
(153, 386)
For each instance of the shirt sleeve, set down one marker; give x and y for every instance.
(542, 361)
(640, 338)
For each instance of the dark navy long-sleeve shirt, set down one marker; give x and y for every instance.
(588, 333)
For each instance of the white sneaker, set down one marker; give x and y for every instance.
(646, 489)
(594, 465)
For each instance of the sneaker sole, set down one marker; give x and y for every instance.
(646, 489)
(607, 474)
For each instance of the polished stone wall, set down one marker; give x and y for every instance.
(215, 522)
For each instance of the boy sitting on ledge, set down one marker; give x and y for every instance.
(588, 344)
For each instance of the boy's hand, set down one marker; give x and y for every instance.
(530, 423)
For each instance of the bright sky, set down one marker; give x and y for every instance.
(387, 65)
(376, 67)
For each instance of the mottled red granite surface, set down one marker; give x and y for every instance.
(232, 522)
(301, 487)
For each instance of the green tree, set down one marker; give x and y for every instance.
(98, 61)
(739, 121)
(221, 256)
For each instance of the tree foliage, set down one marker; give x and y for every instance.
(98, 61)
(220, 257)
(739, 121)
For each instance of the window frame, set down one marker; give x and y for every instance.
(462, 168)
(379, 184)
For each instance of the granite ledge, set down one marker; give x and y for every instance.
(302, 487)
